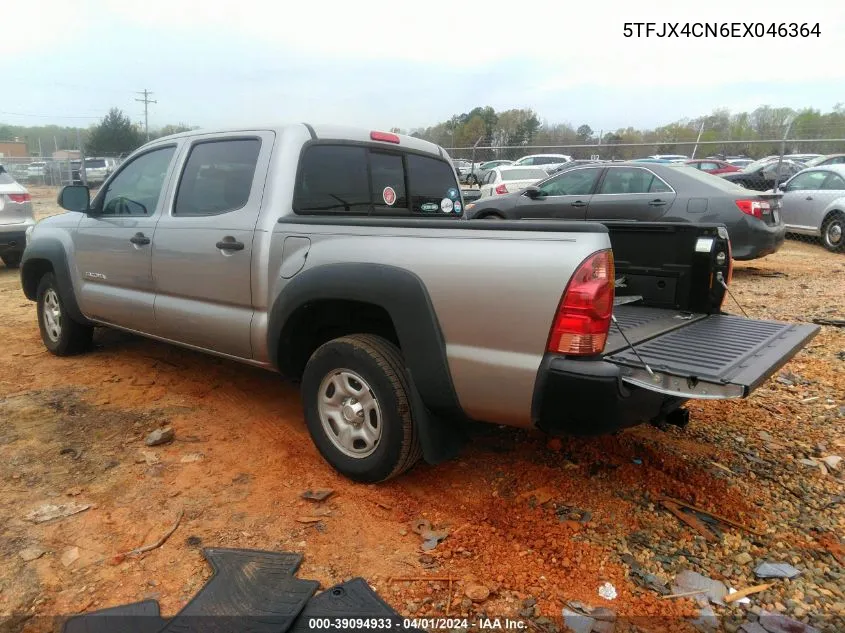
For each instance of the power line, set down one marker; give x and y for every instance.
(146, 101)
(47, 116)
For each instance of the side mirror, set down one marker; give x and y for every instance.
(75, 198)
(533, 192)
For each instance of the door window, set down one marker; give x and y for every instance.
(834, 182)
(217, 177)
(708, 166)
(575, 182)
(626, 180)
(136, 189)
(809, 181)
(334, 179)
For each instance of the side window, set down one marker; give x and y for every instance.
(432, 185)
(809, 181)
(708, 166)
(632, 180)
(333, 178)
(388, 180)
(490, 178)
(834, 182)
(525, 162)
(137, 188)
(217, 177)
(575, 182)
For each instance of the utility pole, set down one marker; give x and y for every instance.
(146, 101)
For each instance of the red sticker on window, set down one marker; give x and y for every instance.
(389, 196)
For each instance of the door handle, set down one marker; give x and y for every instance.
(656, 203)
(139, 239)
(808, 198)
(579, 203)
(230, 244)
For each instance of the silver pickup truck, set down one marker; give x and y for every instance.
(341, 259)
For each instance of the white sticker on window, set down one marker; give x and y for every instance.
(389, 196)
(446, 205)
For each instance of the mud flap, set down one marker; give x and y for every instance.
(441, 439)
(717, 357)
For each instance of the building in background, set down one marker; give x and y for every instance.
(13, 149)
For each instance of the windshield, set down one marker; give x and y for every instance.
(95, 163)
(523, 174)
(757, 164)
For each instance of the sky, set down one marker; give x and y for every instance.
(406, 64)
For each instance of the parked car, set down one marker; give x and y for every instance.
(98, 169)
(762, 174)
(15, 218)
(828, 159)
(480, 170)
(545, 161)
(802, 158)
(502, 180)
(339, 258)
(712, 166)
(813, 203)
(739, 162)
(36, 170)
(647, 193)
(650, 159)
(571, 164)
(672, 158)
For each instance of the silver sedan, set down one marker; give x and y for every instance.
(814, 204)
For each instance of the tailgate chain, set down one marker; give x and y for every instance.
(721, 280)
(630, 345)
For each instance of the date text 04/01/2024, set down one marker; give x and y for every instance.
(483, 624)
(720, 29)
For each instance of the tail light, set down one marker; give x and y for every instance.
(753, 208)
(501, 189)
(20, 198)
(583, 316)
(386, 137)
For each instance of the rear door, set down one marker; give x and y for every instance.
(630, 193)
(565, 196)
(202, 247)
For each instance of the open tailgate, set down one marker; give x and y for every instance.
(705, 357)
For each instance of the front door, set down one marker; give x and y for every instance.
(112, 242)
(565, 196)
(202, 247)
(807, 195)
(630, 193)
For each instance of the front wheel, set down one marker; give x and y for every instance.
(60, 333)
(833, 233)
(357, 408)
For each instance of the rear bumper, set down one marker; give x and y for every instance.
(754, 239)
(588, 397)
(12, 241)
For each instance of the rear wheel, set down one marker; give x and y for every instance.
(492, 216)
(60, 333)
(833, 232)
(357, 408)
(12, 260)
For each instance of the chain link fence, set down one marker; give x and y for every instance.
(56, 172)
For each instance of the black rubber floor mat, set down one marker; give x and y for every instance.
(351, 600)
(138, 617)
(250, 591)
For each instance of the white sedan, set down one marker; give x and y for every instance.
(502, 180)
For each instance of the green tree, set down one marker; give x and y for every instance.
(115, 134)
(584, 133)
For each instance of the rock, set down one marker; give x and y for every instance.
(603, 614)
(691, 581)
(743, 558)
(776, 570)
(31, 553)
(69, 556)
(554, 444)
(832, 461)
(160, 436)
(752, 627)
(192, 457)
(477, 593)
(50, 511)
(317, 495)
(607, 591)
(775, 623)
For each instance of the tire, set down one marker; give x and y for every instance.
(833, 227)
(12, 260)
(60, 333)
(370, 438)
(492, 216)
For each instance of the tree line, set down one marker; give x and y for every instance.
(483, 127)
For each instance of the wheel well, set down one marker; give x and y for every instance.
(33, 271)
(830, 214)
(317, 322)
(489, 214)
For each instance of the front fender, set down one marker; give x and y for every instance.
(39, 257)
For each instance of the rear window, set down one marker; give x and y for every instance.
(709, 179)
(357, 180)
(95, 163)
(523, 174)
